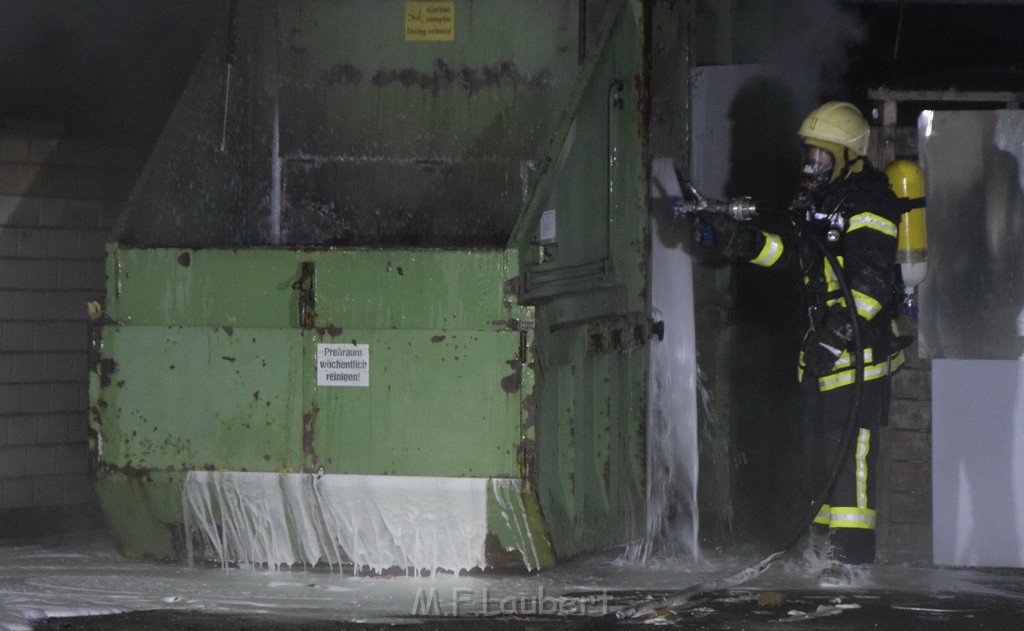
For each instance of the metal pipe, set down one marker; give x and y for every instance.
(275, 176)
(275, 142)
(581, 44)
(229, 60)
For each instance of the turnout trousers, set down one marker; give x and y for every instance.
(849, 513)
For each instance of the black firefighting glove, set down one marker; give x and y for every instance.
(828, 340)
(734, 239)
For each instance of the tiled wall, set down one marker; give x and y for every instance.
(58, 201)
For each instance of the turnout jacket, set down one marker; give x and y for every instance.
(862, 211)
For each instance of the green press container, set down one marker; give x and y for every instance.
(387, 245)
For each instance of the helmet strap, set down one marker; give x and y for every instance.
(849, 162)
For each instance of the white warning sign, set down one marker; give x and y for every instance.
(343, 365)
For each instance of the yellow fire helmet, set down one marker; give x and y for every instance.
(837, 122)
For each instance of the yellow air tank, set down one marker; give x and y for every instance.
(907, 181)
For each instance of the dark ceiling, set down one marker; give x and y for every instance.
(117, 66)
(99, 66)
(939, 44)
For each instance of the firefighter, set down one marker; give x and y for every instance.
(843, 205)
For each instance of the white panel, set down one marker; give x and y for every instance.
(978, 462)
(714, 90)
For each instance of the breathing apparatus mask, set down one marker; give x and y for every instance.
(817, 171)
(815, 174)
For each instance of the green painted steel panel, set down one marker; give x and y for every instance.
(439, 403)
(182, 287)
(177, 383)
(254, 287)
(491, 90)
(144, 512)
(517, 527)
(590, 450)
(417, 290)
(190, 398)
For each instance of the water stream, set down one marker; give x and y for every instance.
(672, 515)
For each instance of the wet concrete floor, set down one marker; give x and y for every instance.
(751, 610)
(84, 584)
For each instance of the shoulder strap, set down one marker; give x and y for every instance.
(907, 204)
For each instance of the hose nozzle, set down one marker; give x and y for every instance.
(738, 208)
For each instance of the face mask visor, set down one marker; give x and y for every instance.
(817, 168)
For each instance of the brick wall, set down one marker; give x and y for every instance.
(58, 201)
(905, 460)
(905, 471)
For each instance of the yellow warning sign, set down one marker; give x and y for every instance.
(429, 21)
